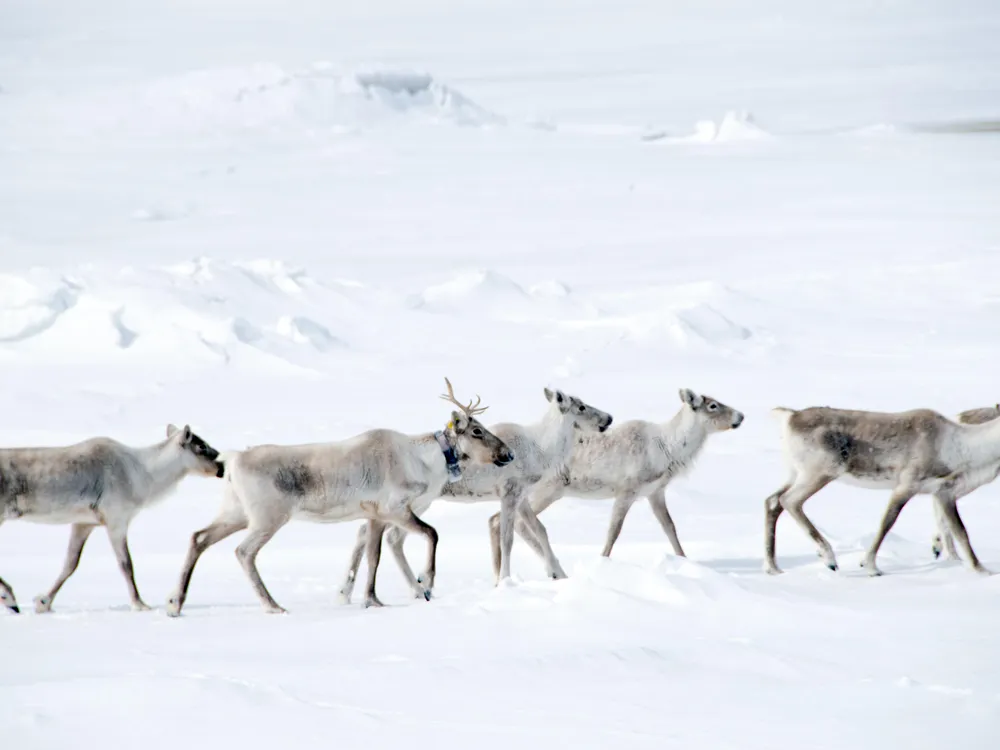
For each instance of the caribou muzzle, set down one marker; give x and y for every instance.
(504, 459)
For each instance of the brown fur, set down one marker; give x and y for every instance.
(981, 415)
(873, 445)
(909, 453)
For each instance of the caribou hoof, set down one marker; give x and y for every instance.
(937, 548)
(174, 604)
(872, 569)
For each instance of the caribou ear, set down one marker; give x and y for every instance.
(187, 434)
(549, 395)
(456, 421)
(171, 429)
(690, 398)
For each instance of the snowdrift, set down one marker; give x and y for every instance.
(269, 314)
(202, 311)
(734, 127)
(487, 294)
(265, 97)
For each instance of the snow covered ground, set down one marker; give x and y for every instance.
(284, 222)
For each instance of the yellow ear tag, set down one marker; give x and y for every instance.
(451, 425)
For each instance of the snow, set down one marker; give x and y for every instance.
(286, 222)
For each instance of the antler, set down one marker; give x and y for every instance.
(470, 409)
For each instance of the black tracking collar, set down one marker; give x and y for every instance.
(450, 456)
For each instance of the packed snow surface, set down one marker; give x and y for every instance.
(288, 222)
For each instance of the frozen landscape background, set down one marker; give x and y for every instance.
(286, 222)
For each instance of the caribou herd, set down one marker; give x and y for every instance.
(388, 479)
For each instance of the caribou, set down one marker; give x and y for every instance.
(944, 541)
(541, 451)
(380, 475)
(636, 459)
(97, 482)
(909, 453)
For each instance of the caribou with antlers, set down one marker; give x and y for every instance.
(381, 475)
(541, 452)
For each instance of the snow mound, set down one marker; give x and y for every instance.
(699, 316)
(63, 316)
(307, 331)
(494, 296)
(705, 323)
(877, 130)
(199, 312)
(480, 288)
(406, 91)
(276, 275)
(28, 310)
(701, 326)
(734, 127)
(269, 97)
(91, 327)
(550, 290)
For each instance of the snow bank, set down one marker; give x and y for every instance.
(267, 313)
(408, 92)
(693, 317)
(197, 312)
(487, 294)
(267, 97)
(29, 309)
(698, 325)
(734, 127)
